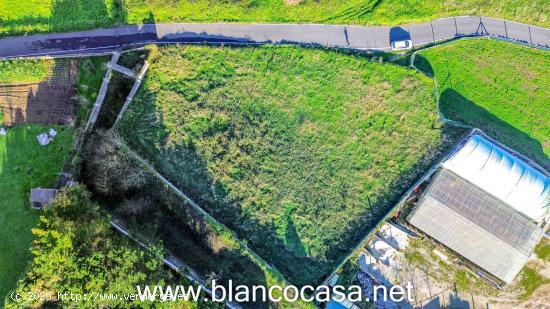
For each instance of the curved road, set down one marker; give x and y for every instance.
(353, 37)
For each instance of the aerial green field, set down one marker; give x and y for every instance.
(298, 150)
(371, 12)
(499, 87)
(24, 164)
(18, 71)
(17, 17)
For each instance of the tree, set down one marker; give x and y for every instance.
(76, 251)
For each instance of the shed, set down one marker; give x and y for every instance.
(42, 198)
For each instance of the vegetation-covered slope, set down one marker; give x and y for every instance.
(299, 150)
(90, 260)
(500, 87)
(65, 15)
(24, 164)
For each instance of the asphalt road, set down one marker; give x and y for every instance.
(354, 37)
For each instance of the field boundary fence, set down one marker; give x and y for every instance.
(194, 205)
(469, 26)
(170, 261)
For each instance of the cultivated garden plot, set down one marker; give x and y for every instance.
(501, 88)
(38, 91)
(300, 151)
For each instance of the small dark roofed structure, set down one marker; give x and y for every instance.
(42, 198)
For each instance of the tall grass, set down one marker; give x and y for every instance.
(21, 71)
(17, 17)
(299, 150)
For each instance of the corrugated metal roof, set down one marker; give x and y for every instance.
(43, 195)
(502, 175)
(468, 239)
(484, 210)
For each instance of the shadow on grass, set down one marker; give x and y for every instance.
(165, 218)
(456, 107)
(423, 65)
(50, 101)
(279, 243)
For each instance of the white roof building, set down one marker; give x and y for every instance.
(484, 204)
(502, 175)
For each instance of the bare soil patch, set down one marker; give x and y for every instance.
(292, 2)
(50, 101)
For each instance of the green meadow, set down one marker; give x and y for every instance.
(18, 17)
(501, 88)
(300, 151)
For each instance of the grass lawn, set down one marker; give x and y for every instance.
(298, 150)
(24, 164)
(499, 87)
(372, 12)
(18, 17)
(19, 71)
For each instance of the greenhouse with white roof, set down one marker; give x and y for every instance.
(487, 205)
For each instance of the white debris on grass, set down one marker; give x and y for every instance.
(393, 236)
(43, 139)
(3, 131)
(382, 251)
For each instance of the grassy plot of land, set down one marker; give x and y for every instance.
(299, 150)
(531, 280)
(499, 87)
(543, 249)
(18, 17)
(24, 164)
(156, 215)
(372, 12)
(21, 71)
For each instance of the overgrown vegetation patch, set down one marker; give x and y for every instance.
(159, 217)
(499, 87)
(298, 150)
(24, 71)
(530, 281)
(87, 259)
